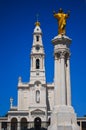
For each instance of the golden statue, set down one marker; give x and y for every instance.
(61, 17)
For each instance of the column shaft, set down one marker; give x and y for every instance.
(63, 91)
(55, 81)
(68, 83)
(43, 63)
(9, 126)
(0, 125)
(80, 125)
(31, 63)
(18, 126)
(28, 125)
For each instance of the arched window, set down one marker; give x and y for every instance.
(37, 63)
(37, 38)
(37, 96)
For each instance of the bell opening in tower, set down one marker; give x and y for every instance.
(37, 64)
(37, 38)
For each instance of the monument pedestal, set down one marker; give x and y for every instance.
(63, 116)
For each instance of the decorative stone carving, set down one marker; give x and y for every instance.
(38, 112)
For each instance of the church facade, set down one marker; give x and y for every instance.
(36, 97)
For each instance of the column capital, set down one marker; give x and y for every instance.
(56, 56)
(67, 56)
(64, 54)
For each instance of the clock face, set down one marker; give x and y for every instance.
(37, 48)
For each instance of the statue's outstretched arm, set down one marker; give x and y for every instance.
(56, 15)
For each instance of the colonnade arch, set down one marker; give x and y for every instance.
(14, 124)
(23, 123)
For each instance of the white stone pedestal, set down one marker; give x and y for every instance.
(63, 118)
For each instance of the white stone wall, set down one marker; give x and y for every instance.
(23, 97)
(27, 99)
(42, 91)
(23, 100)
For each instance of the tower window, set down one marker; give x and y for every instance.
(37, 38)
(37, 63)
(37, 96)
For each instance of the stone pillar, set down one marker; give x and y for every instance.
(28, 125)
(18, 126)
(9, 126)
(68, 84)
(63, 90)
(34, 63)
(57, 80)
(63, 116)
(31, 63)
(0, 125)
(40, 63)
(43, 63)
(80, 125)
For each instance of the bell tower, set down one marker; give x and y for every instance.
(37, 70)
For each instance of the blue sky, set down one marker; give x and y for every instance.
(17, 18)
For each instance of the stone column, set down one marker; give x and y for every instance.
(28, 125)
(34, 63)
(63, 116)
(0, 125)
(31, 63)
(43, 63)
(63, 91)
(57, 81)
(9, 126)
(68, 84)
(18, 126)
(40, 63)
(80, 125)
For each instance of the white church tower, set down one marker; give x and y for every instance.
(37, 56)
(32, 95)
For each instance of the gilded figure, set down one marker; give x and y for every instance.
(61, 17)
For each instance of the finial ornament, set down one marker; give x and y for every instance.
(37, 23)
(61, 17)
(11, 102)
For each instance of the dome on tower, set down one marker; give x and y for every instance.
(37, 28)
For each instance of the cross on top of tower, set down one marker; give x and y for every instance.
(37, 23)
